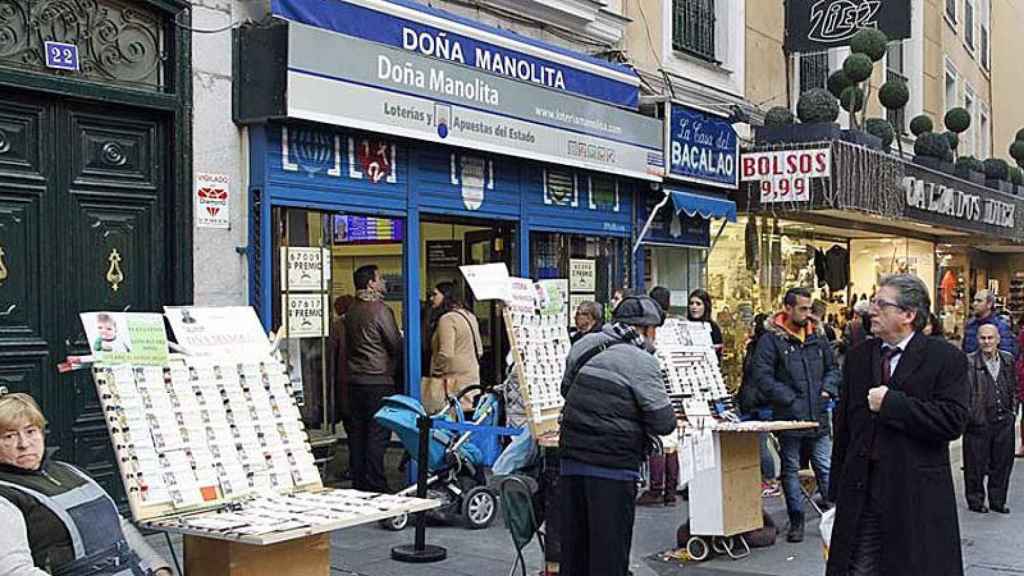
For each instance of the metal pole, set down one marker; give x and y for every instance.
(419, 552)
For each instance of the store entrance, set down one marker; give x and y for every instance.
(448, 243)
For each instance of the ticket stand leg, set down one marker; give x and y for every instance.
(420, 553)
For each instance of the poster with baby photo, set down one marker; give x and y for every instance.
(126, 337)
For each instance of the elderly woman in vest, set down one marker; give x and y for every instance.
(53, 518)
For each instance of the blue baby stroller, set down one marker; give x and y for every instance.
(456, 461)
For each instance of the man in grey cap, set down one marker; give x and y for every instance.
(615, 401)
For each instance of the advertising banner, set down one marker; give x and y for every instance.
(814, 25)
(785, 175)
(126, 338)
(383, 89)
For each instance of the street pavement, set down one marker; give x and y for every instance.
(991, 544)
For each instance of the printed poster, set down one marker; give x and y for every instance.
(488, 281)
(582, 275)
(215, 331)
(576, 299)
(305, 268)
(212, 197)
(126, 337)
(306, 315)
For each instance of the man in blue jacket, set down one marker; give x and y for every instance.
(984, 313)
(795, 369)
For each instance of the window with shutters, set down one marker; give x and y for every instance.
(693, 28)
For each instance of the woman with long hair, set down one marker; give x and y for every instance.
(455, 343)
(699, 310)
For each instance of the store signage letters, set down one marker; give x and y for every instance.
(932, 197)
(822, 24)
(702, 148)
(385, 89)
(432, 35)
(785, 174)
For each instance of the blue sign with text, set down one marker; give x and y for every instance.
(437, 34)
(702, 148)
(61, 56)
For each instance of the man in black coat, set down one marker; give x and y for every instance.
(794, 368)
(988, 441)
(903, 400)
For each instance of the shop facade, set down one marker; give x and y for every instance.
(674, 220)
(836, 218)
(437, 142)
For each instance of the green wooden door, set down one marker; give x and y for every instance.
(84, 196)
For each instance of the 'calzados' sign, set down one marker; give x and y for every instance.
(701, 148)
(822, 24)
(932, 197)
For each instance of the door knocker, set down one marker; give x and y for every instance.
(114, 274)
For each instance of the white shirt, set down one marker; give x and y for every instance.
(895, 361)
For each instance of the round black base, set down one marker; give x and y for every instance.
(408, 553)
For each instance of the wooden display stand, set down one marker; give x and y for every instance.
(306, 556)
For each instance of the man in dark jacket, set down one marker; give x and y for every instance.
(984, 313)
(795, 368)
(903, 400)
(615, 400)
(373, 345)
(989, 442)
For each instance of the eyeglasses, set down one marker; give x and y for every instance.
(10, 439)
(879, 303)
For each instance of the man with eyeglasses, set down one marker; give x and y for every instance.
(984, 313)
(903, 399)
(794, 367)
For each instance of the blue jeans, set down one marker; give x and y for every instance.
(821, 460)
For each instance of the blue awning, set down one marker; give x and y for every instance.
(704, 206)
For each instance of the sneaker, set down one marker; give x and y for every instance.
(770, 489)
(651, 498)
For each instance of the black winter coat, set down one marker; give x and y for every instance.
(616, 402)
(924, 410)
(792, 375)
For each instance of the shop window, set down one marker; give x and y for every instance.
(554, 255)
(693, 28)
(894, 70)
(316, 253)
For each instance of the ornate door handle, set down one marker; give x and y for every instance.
(3, 265)
(114, 274)
(9, 310)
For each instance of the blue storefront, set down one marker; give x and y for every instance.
(674, 222)
(418, 158)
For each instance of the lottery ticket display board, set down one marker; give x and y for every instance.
(689, 366)
(534, 320)
(214, 445)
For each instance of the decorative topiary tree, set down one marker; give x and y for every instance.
(778, 116)
(1017, 150)
(954, 140)
(817, 105)
(852, 100)
(997, 169)
(921, 124)
(881, 128)
(1020, 135)
(871, 42)
(965, 165)
(933, 147)
(837, 82)
(957, 120)
(1016, 176)
(893, 96)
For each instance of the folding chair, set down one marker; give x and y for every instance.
(517, 505)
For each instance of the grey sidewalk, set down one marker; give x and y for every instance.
(991, 545)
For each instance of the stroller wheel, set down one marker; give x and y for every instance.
(479, 507)
(395, 523)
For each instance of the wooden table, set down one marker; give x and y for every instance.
(308, 556)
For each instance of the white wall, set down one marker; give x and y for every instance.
(730, 49)
(220, 273)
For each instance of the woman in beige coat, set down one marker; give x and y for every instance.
(455, 344)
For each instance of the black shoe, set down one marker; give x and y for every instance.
(1000, 509)
(979, 509)
(796, 532)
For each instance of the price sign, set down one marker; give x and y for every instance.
(61, 56)
(785, 175)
